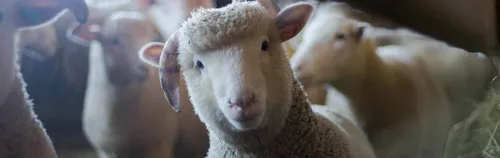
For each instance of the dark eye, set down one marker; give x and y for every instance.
(199, 64)
(339, 36)
(264, 46)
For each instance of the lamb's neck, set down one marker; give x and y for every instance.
(376, 94)
(299, 125)
(99, 85)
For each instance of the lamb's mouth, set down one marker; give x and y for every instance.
(245, 116)
(246, 119)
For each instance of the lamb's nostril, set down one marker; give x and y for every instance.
(242, 101)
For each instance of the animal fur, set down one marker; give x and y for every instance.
(323, 138)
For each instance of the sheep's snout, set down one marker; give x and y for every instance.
(242, 101)
(244, 109)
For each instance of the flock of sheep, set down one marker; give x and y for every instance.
(222, 85)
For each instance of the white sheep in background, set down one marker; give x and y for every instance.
(22, 134)
(318, 94)
(456, 73)
(395, 98)
(326, 10)
(125, 113)
(241, 84)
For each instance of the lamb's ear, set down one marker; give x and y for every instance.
(292, 19)
(151, 53)
(170, 71)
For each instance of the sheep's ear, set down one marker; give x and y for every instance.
(83, 34)
(78, 7)
(170, 71)
(292, 19)
(151, 52)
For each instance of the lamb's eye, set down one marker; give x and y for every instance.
(199, 64)
(264, 46)
(339, 36)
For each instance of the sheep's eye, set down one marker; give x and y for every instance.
(339, 36)
(199, 64)
(1, 17)
(264, 46)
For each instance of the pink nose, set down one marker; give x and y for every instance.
(242, 101)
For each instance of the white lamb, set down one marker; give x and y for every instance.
(241, 83)
(395, 98)
(125, 113)
(22, 134)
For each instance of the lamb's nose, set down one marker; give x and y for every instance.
(243, 100)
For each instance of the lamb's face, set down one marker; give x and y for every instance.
(237, 74)
(326, 54)
(238, 81)
(122, 36)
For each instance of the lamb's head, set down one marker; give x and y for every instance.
(237, 74)
(122, 35)
(325, 55)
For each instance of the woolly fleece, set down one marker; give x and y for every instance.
(305, 135)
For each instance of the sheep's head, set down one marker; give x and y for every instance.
(326, 54)
(236, 71)
(122, 35)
